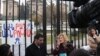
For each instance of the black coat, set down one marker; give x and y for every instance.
(67, 50)
(33, 50)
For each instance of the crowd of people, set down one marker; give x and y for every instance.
(63, 46)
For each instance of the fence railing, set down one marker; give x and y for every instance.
(21, 19)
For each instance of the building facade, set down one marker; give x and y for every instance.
(35, 7)
(10, 9)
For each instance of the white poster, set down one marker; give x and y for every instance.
(16, 31)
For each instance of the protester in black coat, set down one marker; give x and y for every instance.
(36, 48)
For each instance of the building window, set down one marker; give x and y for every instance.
(0, 30)
(9, 17)
(0, 34)
(33, 0)
(10, 6)
(9, 13)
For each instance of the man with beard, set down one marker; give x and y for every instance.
(36, 48)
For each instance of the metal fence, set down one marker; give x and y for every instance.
(49, 17)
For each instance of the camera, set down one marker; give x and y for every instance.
(87, 15)
(78, 3)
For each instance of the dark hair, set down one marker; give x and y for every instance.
(4, 49)
(37, 36)
(79, 52)
(90, 28)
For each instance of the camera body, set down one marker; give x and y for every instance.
(78, 3)
(87, 15)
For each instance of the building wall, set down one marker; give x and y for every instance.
(33, 9)
(10, 9)
(0, 6)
